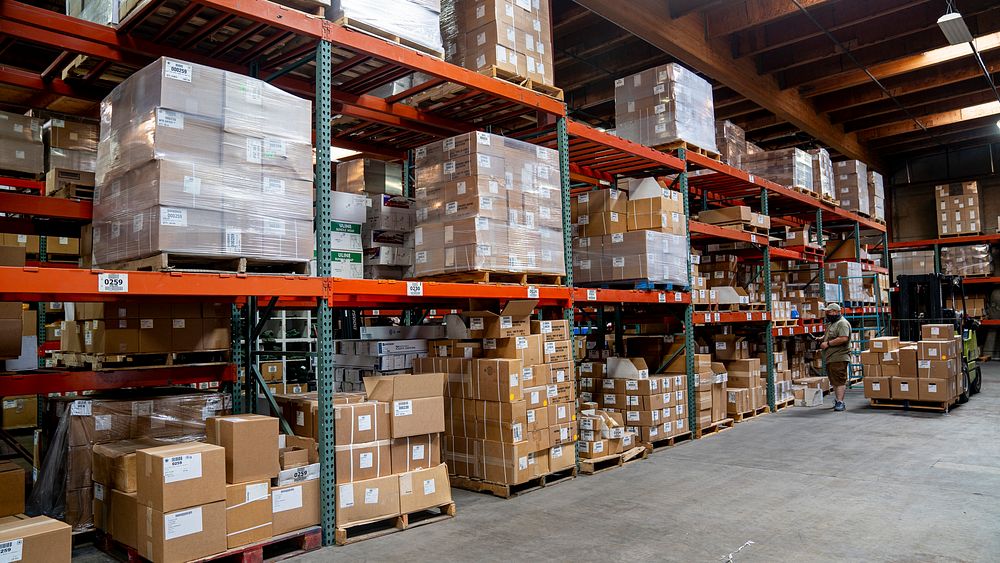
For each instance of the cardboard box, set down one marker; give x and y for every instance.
(884, 344)
(513, 320)
(361, 422)
(497, 379)
(929, 389)
(417, 402)
(251, 443)
(415, 452)
(905, 388)
(878, 387)
(551, 330)
(123, 517)
(12, 484)
(937, 369)
(248, 512)
(368, 501)
(20, 412)
(295, 506)
(272, 371)
(182, 535)
(181, 476)
(114, 463)
(937, 332)
(936, 349)
(424, 488)
(41, 539)
(360, 462)
(908, 361)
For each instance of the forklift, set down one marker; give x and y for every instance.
(935, 299)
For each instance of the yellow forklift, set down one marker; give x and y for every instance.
(939, 299)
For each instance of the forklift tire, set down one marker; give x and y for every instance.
(964, 397)
(976, 385)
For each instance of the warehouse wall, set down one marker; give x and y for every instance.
(912, 208)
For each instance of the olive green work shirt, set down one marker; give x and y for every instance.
(840, 327)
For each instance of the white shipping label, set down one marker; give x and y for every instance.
(513, 380)
(506, 322)
(521, 343)
(618, 261)
(876, 386)
(102, 423)
(192, 185)
(430, 487)
(550, 347)
(904, 386)
(531, 417)
(402, 408)
(534, 398)
(254, 150)
(291, 498)
(171, 119)
(371, 495)
(182, 467)
(552, 391)
(345, 494)
(180, 524)
(932, 387)
(598, 447)
(80, 408)
(173, 217)
(417, 452)
(177, 70)
(256, 491)
(365, 460)
(522, 463)
(98, 491)
(300, 418)
(273, 186)
(364, 422)
(561, 412)
(146, 323)
(178, 323)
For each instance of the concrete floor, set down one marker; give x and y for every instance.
(802, 485)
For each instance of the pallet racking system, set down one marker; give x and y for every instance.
(336, 68)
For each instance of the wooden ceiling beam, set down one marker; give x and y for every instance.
(684, 38)
(736, 110)
(978, 92)
(833, 17)
(744, 14)
(680, 8)
(932, 121)
(975, 137)
(985, 127)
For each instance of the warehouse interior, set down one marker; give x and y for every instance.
(475, 279)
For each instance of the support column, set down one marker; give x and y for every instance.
(769, 326)
(689, 350)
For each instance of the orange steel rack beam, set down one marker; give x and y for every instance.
(928, 243)
(728, 317)
(371, 294)
(57, 381)
(44, 206)
(582, 296)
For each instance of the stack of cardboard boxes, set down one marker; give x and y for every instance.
(515, 38)
(36, 539)
(197, 161)
(732, 143)
(381, 350)
(488, 203)
(347, 219)
(654, 407)
(70, 158)
(851, 181)
(11, 313)
(663, 105)
(929, 370)
(958, 209)
(510, 413)
(147, 328)
(974, 260)
(21, 148)
(387, 234)
(788, 167)
(603, 432)
(414, 21)
(876, 196)
(823, 176)
(630, 236)
(913, 262)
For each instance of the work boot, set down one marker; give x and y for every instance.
(839, 406)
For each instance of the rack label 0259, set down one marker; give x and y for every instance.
(112, 283)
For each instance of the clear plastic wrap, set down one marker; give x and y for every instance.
(972, 260)
(104, 12)
(21, 147)
(514, 37)
(197, 161)
(368, 175)
(788, 167)
(851, 181)
(486, 202)
(823, 178)
(958, 208)
(732, 143)
(633, 256)
(912, 262)
(65, 489)
(665, 104)
(876, 195)
(414, 20)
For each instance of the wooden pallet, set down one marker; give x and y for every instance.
(510, 491)
(804, 191)
(364, 27)
(110, 362)
(167, 262)
(669, 442)
(608, 462)
(741, 416)
(484, 276)
(74, 191)
(369, 529)
(39, 177)
(311, 7)
(674, 145)
(714, 428)
(779, 405)
(749, 228)
(905, 404)
(277, 548)
(830, 200)
(784, 323)
(508, 76)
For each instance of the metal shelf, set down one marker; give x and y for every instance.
(930, 243)
(812, 327)
(57, 381)
(989, 280)
(582, 296)
(710, 232)
(370, 294)
(44, 206)
(729, 317)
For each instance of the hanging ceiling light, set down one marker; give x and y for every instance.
(954, 28)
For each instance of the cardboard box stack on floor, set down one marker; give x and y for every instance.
(415, 21)
(633, 235)
(21, 148)
(928, 370)
(654, 407)
(41, 538)
(851, 181)
(197, 161)
(381, 350)
(147, 328)
(488, 203)
(823, 176)
(511, 391)
(603, 432)
(387, 233)
(787, 167)
(975, 260)
(67, 488)
(664, 105)
(513, 37)
(958, 209)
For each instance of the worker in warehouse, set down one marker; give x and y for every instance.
(836, 351)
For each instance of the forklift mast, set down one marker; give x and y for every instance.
(927, 299)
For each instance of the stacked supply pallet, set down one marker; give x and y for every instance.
(958, 209)
(925, 374)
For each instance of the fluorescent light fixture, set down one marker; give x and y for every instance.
(954, 28)
(998, 124)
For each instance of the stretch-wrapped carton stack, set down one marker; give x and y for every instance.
(913, 262)
(197, 161)
(665, 104)
(511, 392)
(487, 203)
(788, 167)
(958, 209)
(732, 143)
(851, 181)
(513, 37)
(876, 195)
(21, 148)
(823, 177)
(975, 260)
(413, 20)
